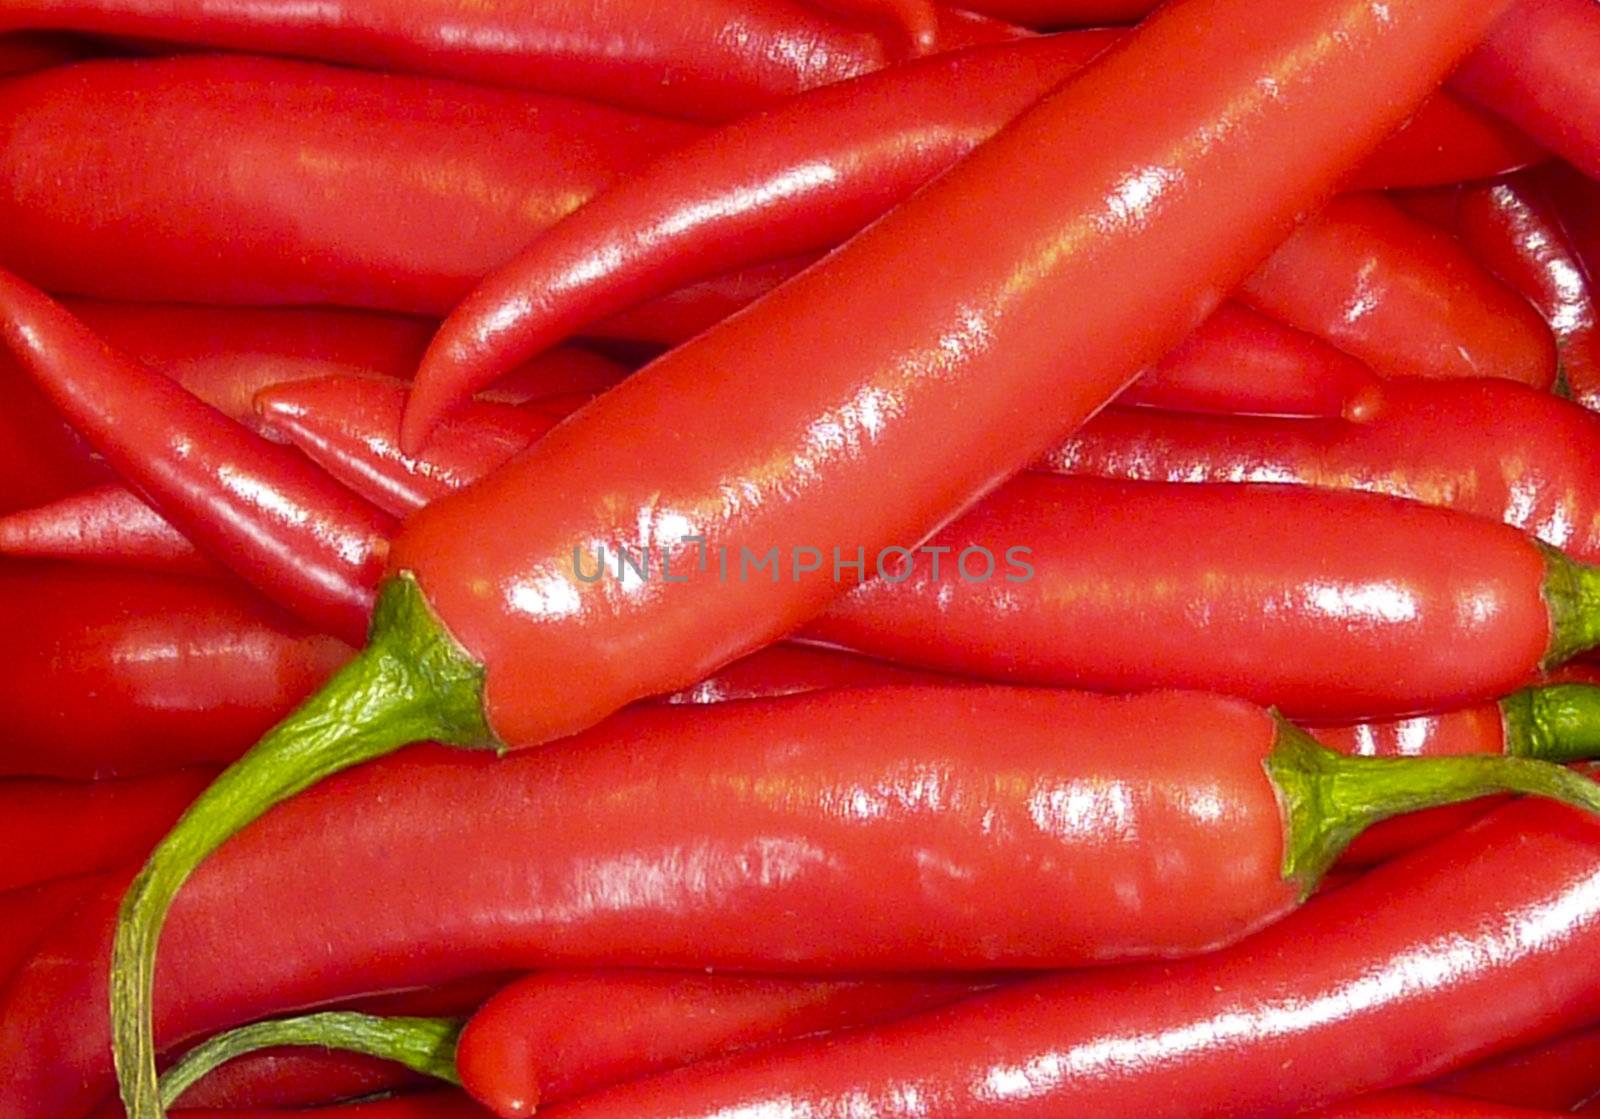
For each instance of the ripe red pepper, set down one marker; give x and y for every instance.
(1495, 935)
(41, 458)
(1402, 296)
(1536, 68)
(124, 674)
(57, 829)
(1557, 1075)
(698, 58)
(262, 510)
(109, 526)
(915, 21)
(876, 430)
(1513, 228)
(29, 914)
(1277, 595)
(1577, 200)
(1000, 827)
(343, 187)
(1486, 446)
(780, 670)
(1424, 1105)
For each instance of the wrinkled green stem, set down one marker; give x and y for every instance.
(1572, 592)
(1555, 722)
(1329, 798)
(411, 683)
(425, 1045)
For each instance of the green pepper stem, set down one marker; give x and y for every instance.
(1553, 722)
(425, 1045)
(1572, 594)
(1329, 798)
(411, 683)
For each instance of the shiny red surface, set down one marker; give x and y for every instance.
(1276, 594)
(341, 187)
(780, 670)
(557, 1035)
(996, 827)
(349, 426)
(259, 509)
(819, 418)
(1488, 447)
(1417, 967)
(698, 58)
(55, 829)
(1512, 227)
(1402, 296)
(109, 526)
(1537, 68)
(121, 673)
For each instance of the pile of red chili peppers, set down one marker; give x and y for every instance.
(799, 559)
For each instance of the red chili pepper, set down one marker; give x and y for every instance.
(905, 404)
(348, 426)
(1402, 296)
(343, 187)
(981, 816)
(1486, 446)
(109, 526)
(780, 670)
(260, 509)
(1277, 595)
(675, 318)
(800, 177)
(1577, 200)
(41, 458)
(1536, 68)
(1513, 228)
(916, 22)
(1558, 1075)
(699, 58)
(28, 915)
(1494, 935)
(56, 829)
(1424, 1105)
(123, 674)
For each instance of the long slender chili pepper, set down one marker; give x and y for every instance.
(124, 674)
(969, 810)
(1488, 447)
(1471, 608)
(1557, 1075)
(1402, 296)
(797, 178)
(27, 915)
(55, 829)
(700, 58)
(876, 430)
(674, 319)
(1512, 226)
(1536, 68)
(1494, 934)
(260, 509)
(343, 188)
(109, 526)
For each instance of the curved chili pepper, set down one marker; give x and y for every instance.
(800, 177)
(1557, 1075)
(1277, 595)
(270, 516)
(123, 674)
(1494, 936)
(917, 21)
(1513, 229)
(679, 316)
(1000, 827)
(1424, 1105)
(1536, 68)
(56, 829)
(1487, 447)
(697, 58)
(28, 915)
(343, 187)
(348, 426)
(874, 431)
(1403, 297)
(108, 526)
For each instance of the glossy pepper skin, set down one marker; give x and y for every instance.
(109, 526)
(58, 829)
(1000, 827)
(1487, 447)
(344, 188)
(876, 430)
(1402, 296)
(1277, 596)
(699, 58)
(1536, 68)
(1513, 227)
(260, 509)
(125, 674)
